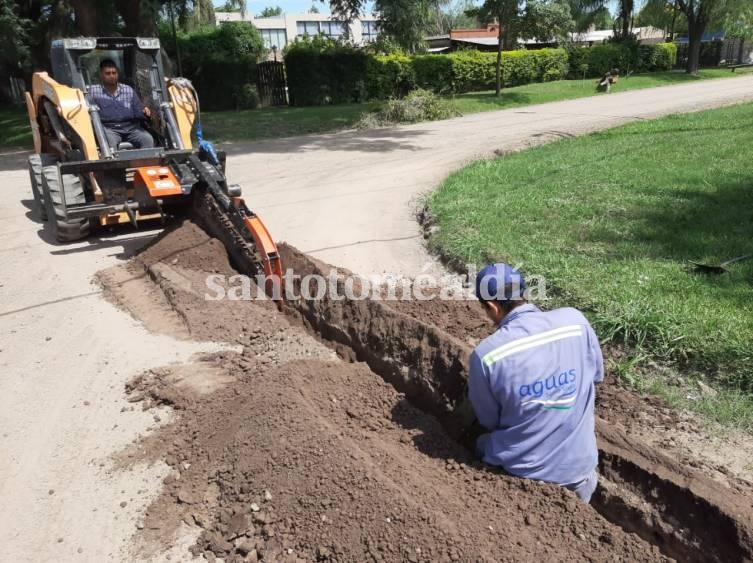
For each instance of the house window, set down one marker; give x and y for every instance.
(308, 28)
(274, 38)
(334, 29)
(369, 31)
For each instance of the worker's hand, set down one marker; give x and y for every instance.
(147, 111)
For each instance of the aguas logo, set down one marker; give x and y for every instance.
(557, 391)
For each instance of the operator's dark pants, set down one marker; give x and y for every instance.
(129, 132)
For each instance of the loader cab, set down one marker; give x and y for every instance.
(75, 63)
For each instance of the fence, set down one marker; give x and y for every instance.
(270, 82)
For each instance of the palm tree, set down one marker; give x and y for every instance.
(240, 5)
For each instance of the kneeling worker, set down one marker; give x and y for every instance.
(531, 384)
(120, 109)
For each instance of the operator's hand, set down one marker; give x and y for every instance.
(147, 111)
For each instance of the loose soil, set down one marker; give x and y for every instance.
(289, 451)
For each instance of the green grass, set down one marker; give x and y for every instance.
(273, 123)
(611, 221)
(14, 125)
(475, 102)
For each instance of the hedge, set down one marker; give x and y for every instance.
(628, 57)
(320, 71)
(323, 71)
(219, 61)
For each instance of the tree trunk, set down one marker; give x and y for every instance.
(85, 12)
(626, 11)
(695, 33)
(498, 91)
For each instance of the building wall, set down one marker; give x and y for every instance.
(287, 26)
(491, 30)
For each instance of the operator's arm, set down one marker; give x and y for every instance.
(595, 354)
(480, 394)
(136, 106)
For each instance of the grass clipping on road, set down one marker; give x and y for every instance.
(612, 219)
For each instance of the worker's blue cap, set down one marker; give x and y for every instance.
(499, 282)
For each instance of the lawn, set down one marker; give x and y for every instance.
(611, 220)
(570, 89)
(272, 123)
(14, 124)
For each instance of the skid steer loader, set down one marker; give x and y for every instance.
(79, 181)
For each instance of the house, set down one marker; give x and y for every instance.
(483, 39)
(646, 35)
(279, 31)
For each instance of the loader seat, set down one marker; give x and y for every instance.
(125, 146)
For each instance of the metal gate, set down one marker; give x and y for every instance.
(270, 82)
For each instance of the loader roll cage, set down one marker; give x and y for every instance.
(75, 63)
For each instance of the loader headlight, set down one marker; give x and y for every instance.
(79, 43)
(148, 42)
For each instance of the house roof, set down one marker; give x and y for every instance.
(707, 37)
(488, 41)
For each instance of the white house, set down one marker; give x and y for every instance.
(596, 36)
(278, 31)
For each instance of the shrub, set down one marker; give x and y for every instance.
(433, 72)
(322, 70)
(666, 56)
(552, 64)
(388, 76)
(343, 69)
(627, 56)
(419, 105)
(472, 70)
(247, 97)
(219, 61)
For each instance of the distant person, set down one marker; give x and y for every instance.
(532, 386)
(120, 109)
(609, 78)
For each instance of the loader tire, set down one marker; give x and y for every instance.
(36, 163)
(64, 230)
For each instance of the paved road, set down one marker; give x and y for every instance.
(65, 353)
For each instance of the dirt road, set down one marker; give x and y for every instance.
(349, 198)
(65, 353)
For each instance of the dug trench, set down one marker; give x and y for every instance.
(339, 432)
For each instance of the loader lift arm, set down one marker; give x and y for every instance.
(245, 236)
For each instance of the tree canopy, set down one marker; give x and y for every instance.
(270, 12)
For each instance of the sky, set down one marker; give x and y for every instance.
(290, 6)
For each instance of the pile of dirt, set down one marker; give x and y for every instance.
(292, 454)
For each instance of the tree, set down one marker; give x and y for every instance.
(506, 13)
(15, 54)
(740, 26)
(624, 19)
(700, 13)
(313, 9)
(540, 19)
(623, 22)
(236, 5)
(546, 20)
(270, 12)
(405, 22)
(587, 13)
(446, 16)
